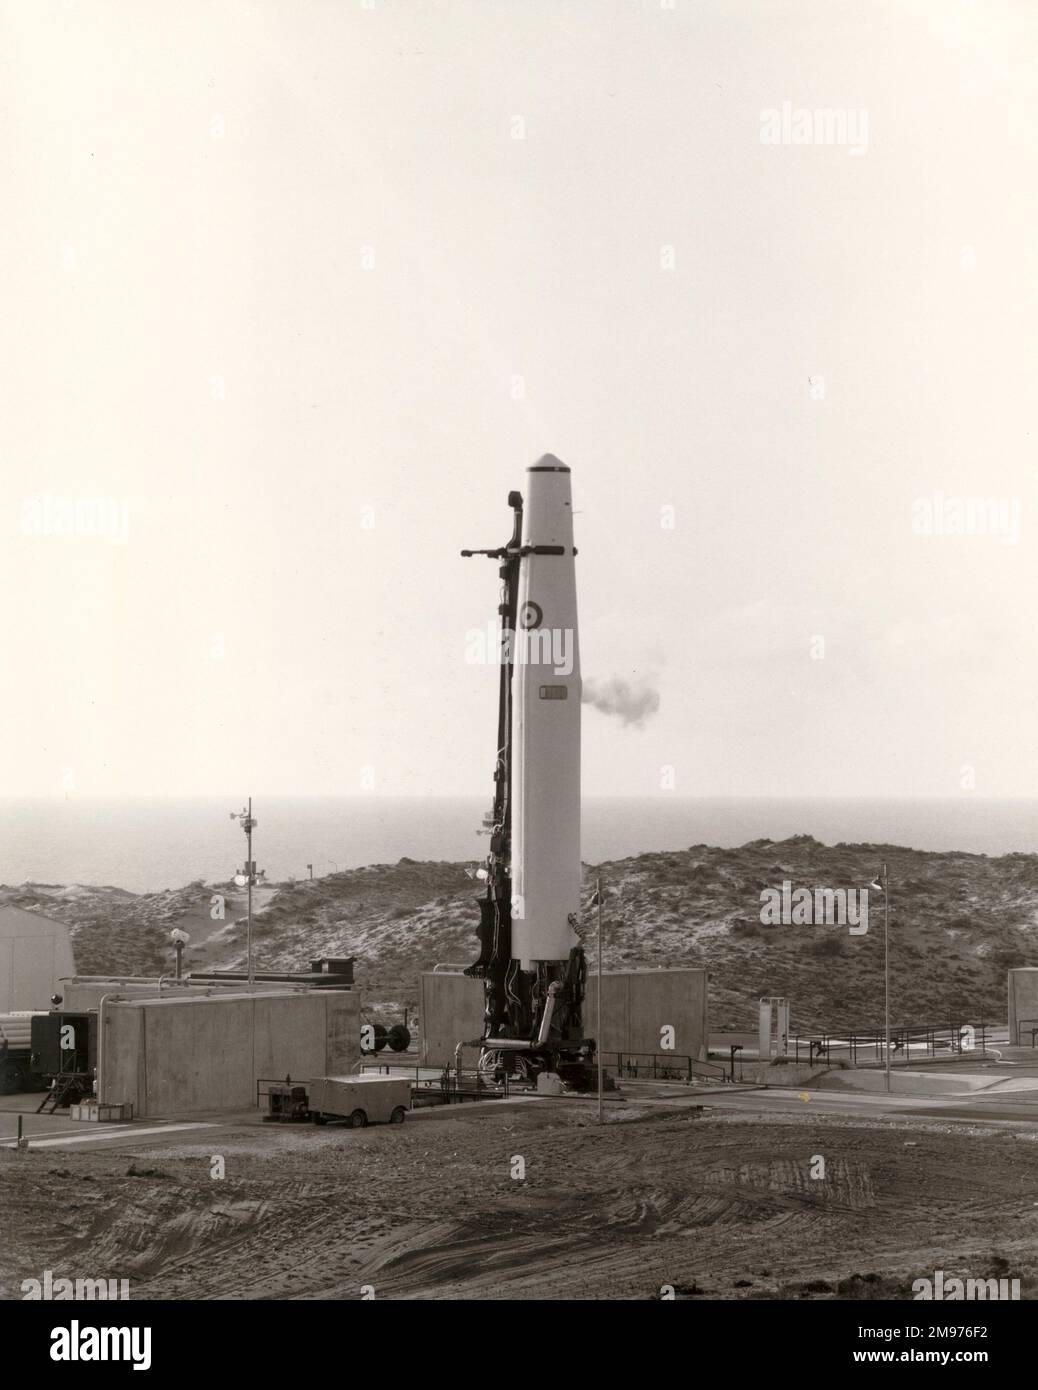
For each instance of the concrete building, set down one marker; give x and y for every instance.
(35, 952)
(183, 1054)
(1023, 1004)
(637, 1007)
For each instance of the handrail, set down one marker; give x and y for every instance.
(903, 1039)
(664, 1063)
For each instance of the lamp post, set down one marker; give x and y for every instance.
(882, 885)
(180, 940)
(248, 825)
(598, 998)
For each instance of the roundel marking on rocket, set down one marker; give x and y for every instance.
(531, 615)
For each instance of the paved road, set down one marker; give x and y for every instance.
(1001, 1107)
(1021, 1107)
(58, 1131)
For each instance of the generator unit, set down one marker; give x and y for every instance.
(64, 1051)
(287, 1103)
(16, 1069)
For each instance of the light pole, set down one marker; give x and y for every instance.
(248, 825)
(180, 940)
(598, 998)
(882, 885)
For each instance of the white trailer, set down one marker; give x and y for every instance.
(359, 1100)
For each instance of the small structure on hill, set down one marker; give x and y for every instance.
(773, 1035)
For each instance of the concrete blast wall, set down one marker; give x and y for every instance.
(451, 1012)
(175, 1056)
(636, 1006)
(1023, 1004)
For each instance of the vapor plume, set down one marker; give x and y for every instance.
(630, 704)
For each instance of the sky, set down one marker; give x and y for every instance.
(294, 293)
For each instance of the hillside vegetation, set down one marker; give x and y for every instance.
(958, 922)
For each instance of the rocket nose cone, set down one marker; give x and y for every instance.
(548, 463)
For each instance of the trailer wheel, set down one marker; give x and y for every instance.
(358, 1119)
(318, 1118)
(397, 1117)
(10, 1078)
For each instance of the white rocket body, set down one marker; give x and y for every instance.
(546, 726)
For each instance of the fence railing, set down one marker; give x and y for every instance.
(908, 1043)
(429, 1085)
(663, 1066)
(442, 1084)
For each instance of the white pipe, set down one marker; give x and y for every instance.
(546, 1017)
(520, 1044)
(101, 1038)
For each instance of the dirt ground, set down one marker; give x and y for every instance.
(716, 1204)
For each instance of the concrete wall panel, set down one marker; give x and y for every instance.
(1023, 1003)
(122, 1056)
(176, 1056)
(636, 1005)
(342, 1054)
(451, 1012)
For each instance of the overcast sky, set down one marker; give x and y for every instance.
(297, 290)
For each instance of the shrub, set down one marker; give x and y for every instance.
(743, 927)
(826, 946)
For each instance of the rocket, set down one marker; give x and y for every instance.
(546, 742)
(531, 959)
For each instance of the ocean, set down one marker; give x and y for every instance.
(147, 845)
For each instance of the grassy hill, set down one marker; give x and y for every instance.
(958, 921)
